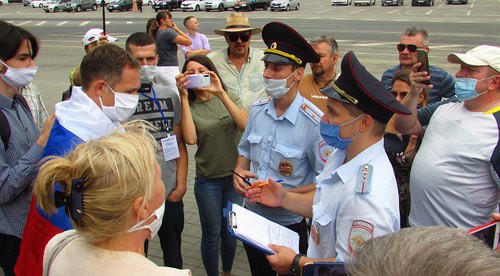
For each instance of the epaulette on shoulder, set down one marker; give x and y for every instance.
(364, 180)
(311, 111)
(262, 101)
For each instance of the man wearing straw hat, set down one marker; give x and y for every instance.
(239, 65)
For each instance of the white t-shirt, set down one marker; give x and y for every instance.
(453, 175)
(68, 253)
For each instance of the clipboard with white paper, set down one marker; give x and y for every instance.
(258, 231)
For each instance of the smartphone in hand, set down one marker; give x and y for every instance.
(198, 80)
(488, 233)
(424, 59)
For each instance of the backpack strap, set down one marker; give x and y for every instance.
(4, 122)
(4, 130)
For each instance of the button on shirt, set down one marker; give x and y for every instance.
(270, 141)
(337, 207)
(17, 166)
(246, 83)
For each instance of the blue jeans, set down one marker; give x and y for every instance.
(211, 196)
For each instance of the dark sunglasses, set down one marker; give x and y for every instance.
(411, 47)
(233, 37)
(396, 94)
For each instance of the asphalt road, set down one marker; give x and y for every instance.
(370, 31)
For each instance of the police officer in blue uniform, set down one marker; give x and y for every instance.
(356, 196)
(282, 139)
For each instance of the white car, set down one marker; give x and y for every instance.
(341, 2)
(55, 5)
(220, 5)
(193, 5)
(285, 5)
(38, 3)
(364, 2)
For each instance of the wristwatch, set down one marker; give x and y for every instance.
(295, 269)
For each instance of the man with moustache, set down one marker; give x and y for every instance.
(323, 72)
(411, 40)
(239, 65)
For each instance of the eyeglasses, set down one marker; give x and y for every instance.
(233, 37)
(402, 95)
(411, 47)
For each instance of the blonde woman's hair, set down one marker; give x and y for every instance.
(116, 170)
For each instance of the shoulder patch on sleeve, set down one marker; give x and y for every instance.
(361, 232)
(262, 101)
(311, 112)
(324, 150)
(364, 179)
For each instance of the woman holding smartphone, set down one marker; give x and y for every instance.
(214, 120)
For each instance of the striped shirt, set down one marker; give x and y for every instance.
(17, 166)
(442, 82)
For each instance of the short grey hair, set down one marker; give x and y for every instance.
(413, 31)
(332, 43)
(432, 250)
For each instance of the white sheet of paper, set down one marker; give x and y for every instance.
(170, 148)
(262, 231)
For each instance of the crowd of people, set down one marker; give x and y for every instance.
(338, 156)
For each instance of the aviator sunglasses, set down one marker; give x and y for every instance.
(411, 47)
(233, 37)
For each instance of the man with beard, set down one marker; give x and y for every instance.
(323, 72)
(411, 40)
(239, 65)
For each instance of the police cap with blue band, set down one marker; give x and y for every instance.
(357, 86)
(286, 46)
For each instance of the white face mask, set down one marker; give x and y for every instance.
(276, 88)
(154, 226)
(124, 108)
(18, 77)
(148, 73)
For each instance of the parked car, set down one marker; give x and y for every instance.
(221, 5)
(456, 1)
(422, 2)
(364, 2)
(166, 5)
(392, 2)
(119, 5)
(341, 2)
(250, 5)
(38, 3)
(55, 5)
(81, 5)
(285, 5)
(26, 3)
(193, 5)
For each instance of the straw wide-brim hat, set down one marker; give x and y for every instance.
(237, 22)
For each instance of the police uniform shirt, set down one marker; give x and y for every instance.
(348, 209)
(288, 147)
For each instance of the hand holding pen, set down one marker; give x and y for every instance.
(269, 193)
(240, 180)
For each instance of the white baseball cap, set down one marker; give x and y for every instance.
(483, 55)
(93, 35)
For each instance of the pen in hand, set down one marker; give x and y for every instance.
(244, 179)
(262, 184)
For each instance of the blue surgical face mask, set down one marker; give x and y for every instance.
(331, 134)
(465, 88)
(276, 88)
